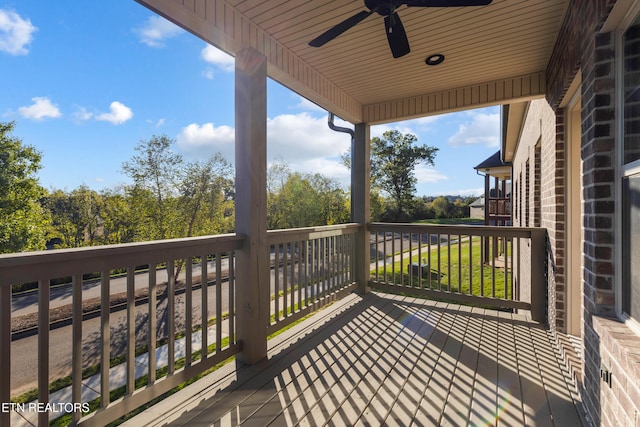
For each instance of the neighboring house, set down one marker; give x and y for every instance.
(576, 172)
(497, 209)
(476, 209)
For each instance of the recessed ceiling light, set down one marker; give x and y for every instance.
(434, 59)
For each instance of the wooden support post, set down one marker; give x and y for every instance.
(538, 284)
(252, 270)
(360, 203)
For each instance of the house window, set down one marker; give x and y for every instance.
(630, 168)
(631, 78)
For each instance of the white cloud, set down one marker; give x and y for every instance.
(426, 174)
(207, 139)
(305, 105)
(484, 128)
(40, 109)
(215, 56)
(119, 113)
(299, 137)
(82, 115)
(305, 142)
(156, 30)
(471, 192)
(15, 33)
(208, 74)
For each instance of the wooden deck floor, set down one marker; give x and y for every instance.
(388, 360)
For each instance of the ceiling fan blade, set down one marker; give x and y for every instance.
(340, 28)
(446, 3)
(396, 35)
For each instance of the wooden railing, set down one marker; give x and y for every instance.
(499, 208)
(168, 265)
(501, 267)
(310, 267)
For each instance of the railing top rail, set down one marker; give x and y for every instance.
(31, 266)
(475, 230)
(310, 233)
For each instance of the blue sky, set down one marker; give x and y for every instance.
(86, 81)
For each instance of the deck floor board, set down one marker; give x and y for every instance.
(392, 360)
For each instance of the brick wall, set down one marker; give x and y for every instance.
(607, 343)
(541, 200)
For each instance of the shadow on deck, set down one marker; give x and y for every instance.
(392, 360)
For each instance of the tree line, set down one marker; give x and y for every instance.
(170, 197)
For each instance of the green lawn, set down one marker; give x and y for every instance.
(464, 271)
(451, 221)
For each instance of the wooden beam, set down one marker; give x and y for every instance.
(360, 203)
(252, 270)
(498, 92)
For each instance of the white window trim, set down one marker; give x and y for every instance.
(622, 170)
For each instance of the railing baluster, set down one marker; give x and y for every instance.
(285, 282)
(409, 264)
(218, 302)
(153, 322)
(44, 294)
(393, 259)
(105, 294)
(231, 286)
(483, 258)
(204, 302)
(188, 308)
(131, 330)
(171, 317)
(513, 297)
(401, 259)
(470, 237)
(449, 262)
(5, 354)
(518, 282)
(292, 276)
(506, 268)
(429, 260)
(276, 279)
(460, 264)
(493, 266)
(76, 345)
(420, 261)
(439, 256)
(384, 258)
(332, 265)
(300, 282)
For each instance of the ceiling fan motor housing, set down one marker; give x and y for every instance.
(382, 7)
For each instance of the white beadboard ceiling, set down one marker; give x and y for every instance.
(495, 54)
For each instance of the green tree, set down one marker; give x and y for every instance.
(442, 207)
(118, 222)
(76, 217)
(304, 200)
(156, 173)
(393, 161)
(23, 221)
(203, 192)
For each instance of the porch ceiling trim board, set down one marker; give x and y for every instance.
(505, 91)
(495, 54)
(223, 26)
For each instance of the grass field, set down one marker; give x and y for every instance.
(456, 267)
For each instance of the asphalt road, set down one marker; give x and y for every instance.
(24, 352)
(24, 355)
(26, 303)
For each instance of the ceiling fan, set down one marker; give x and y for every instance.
(396, 34)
